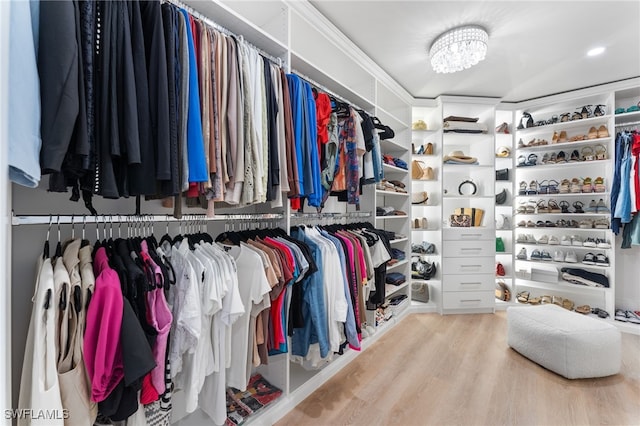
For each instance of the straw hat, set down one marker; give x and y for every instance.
(459, 157)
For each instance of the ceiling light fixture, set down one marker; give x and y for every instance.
(595, 51)
(458, 49)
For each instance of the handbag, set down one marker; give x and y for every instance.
(422, 269)
(501, 197)
(475, 214)
(499, 245)
(502, 174)
(502, 292)
(420, 292)
(460, 220)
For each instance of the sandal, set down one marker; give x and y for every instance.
(535, 301)
(564, 205)
(562, 137)
(603, 132)
(576, 116)
(601, 152)
(564, 186)
(533, 188)
(428, 149)
(586, 186)
(601, 224)
(593, 133)
(523, 297)
(530, 208)
(583, 309)
(586, 111)
(600, 110)
(553, 206)
(522, 161)
(543, 187)
(532, 159)
(575, 157)
(586, 224)
(599, 185)
(541, 207)
(555, 137)
(545, 299)
(568, 304)
(545, 158)
(553, 187)
(576, 185)
(587, 154)
(578, 206)
(522, 208)
(523, 188)
(564, 117)
(552, 158)
(562, 157)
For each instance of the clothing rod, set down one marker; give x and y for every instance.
(330, 215)
(224, 30)
(324, 89)
(630, 123)
(115, 218)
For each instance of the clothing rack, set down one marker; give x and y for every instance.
(117, 218)
(628, 124)
(224, 30)
(326, 218)
(324, 89)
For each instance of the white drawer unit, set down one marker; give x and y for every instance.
(468, 300)
(468, 234)
(468, 265)
(475, 282)
(468, 248)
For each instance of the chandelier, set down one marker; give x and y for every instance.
(458, 49)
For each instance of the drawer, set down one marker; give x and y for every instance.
(468, 299)
(475, 282)
(468, 248)
(468, 265)
(468, 234)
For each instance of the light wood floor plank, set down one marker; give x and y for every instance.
(458, 370)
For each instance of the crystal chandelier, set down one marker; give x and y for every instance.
(458, 49)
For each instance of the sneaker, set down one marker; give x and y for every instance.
(592, 207)
(553, 241)
(546, 256)
(571, 257)
(536, 255)
(601, 259)
(522, 239)
(602, 243)
(589, 242)
(589, 259)
(632, 317)
(601, 207)
(565, 241)
(558, 256)
(543, 240)
(522, 255)
(576, 240)
(620, 315)
(531, 239)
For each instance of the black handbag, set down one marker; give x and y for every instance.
(502, 174)
(501, 197)
(422, 269)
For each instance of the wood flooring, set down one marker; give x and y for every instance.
(458, 370)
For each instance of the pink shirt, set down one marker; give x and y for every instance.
(102, 348)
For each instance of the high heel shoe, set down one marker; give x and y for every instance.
(600, 110)
(555, 137)
(562, 137)
(428, 149)
(420, 171)
(420, 150)
(586, 111)
(603, 132)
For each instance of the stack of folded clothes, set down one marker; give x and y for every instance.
(457, 124)
(584, 277)
(395, 278)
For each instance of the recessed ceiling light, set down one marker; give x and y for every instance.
(595, 51)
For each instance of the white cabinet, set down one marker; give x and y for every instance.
(468, 187)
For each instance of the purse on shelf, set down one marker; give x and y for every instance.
(475, 214)
(420, 292)
(502, 174)
(499, 245)
(502, 292)
(422, 269)
(501, 197)
(460, 220)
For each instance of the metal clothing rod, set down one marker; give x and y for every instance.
(330, 215)
(324, 89)
(630, 123)
(117, 218)
(224, 30)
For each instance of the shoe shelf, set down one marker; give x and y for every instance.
(392, 217)
(467, 197)
(627, 116)
(425, 156)
(585, 214)
(397, 265)
(392, 193)
(564, 247)
(567, 264)
(465, 167)
(561, 284)
(567, 194)
(389, 145)
(504, 253)
(424, 180)
(398, 240)
(567, 164)
(424, 133)
(521, 228)
(585, 123)
(425, 229)
(388, 168)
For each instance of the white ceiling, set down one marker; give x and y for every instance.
(536, 48)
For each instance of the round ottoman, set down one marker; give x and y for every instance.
(568, 343)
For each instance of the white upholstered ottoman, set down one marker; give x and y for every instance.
(568, 343)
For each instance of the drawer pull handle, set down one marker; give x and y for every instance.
(470, 266)
(471, 235)
(470, 248)
(476, 283)
(469, 300)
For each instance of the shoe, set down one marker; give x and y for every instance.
(592, 207)
(586, 186)
(603, 132)
(558, 256)
(589, 259)
(575, 156)
(586, 224)
(545, 256)
(577, 205)
(522, 255)
(589, 242)
(601, 243)
(523, 297)
(428, 149)
(555, 137)
(553, 206)
(571, 257)
(583, 309)
(576, 240)
(576, 185)
(420, 171)
(523, 188)
(565, 241)
(553, 241)
(620, 315)
(536, 255)
(541, 207)
(543, 240)
(598, 185)
(562, 137)
(521, 239)
(601, 260)
(601, 152)
(587, 154)
(600, 312)
(420, 150)
(601, 224)
(600, 110)
(632, 317)
(531, 239)
(564, 205)
(593, 133)
(424, 224)
(601, 207)
(564, 186)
